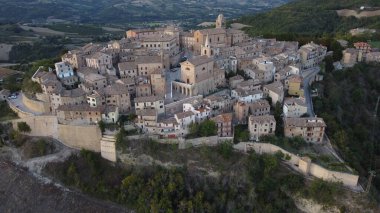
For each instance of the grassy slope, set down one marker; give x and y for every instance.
(310, 17)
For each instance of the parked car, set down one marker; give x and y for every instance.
(13, 96)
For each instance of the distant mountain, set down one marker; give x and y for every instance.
(312, 17)
(122, 11)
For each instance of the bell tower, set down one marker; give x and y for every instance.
(206, 48)
(220, 22)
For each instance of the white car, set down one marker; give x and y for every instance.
(12, 97)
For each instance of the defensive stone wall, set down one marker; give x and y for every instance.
(303, 164)
(80, 137)
(205, 141)
(19, 112)
(345, 178)
(35, 105)
(45, 126)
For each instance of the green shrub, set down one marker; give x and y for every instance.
(225, 149)
(323, 192)
(23, 127)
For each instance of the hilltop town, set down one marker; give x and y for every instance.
(210, 85)
(204, 87)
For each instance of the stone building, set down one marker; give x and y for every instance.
(294, 84)
(128, 69)
(224, 124)
(220, 22)
(260, 126)
(75, 58)
(363, 47)
(275, 91)
(150, 102)
(350, 57)
(242, 110)
(235, 80)
(101, 62)
(184, 119)
(66, 97)
(197, 77)
(312, 55)
(114, 95)
(158, 82)
(146, 65)
(147, 120)
(143, 90)
(79, 114)
(294, 107)
(310, 129)
(247, 96)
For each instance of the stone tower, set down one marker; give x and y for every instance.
(206, 48)
(220, 21)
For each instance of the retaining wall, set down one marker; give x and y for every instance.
(305, 166)
(79, 137)
(19, 112)
(45, 126)
(35, 105)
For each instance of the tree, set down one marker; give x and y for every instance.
(278, 117)
(329, 66)
(102, 126)
(241, 133)
(207, 128)
(204, 129)
(225, 149)
(23, 127)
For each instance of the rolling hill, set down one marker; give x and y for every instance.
(312, 17)
(122, 11)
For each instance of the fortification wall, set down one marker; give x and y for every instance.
(345, 178)
(303, 166)
(45, 126)
(35, 105)
(208, 141)
(19, 112)
(272, 149)
(80, 137)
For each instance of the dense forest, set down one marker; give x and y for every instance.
(310, 17)
(347, 104)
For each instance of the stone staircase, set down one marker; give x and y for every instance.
(108, 147)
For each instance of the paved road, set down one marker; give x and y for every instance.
(308, 75)
(19, 104)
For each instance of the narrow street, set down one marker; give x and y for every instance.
(308, 75)
(327, 147)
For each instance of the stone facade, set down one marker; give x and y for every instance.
(310, 129)
(224, 124)
(260, 126)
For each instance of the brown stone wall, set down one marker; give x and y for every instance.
(35, 105)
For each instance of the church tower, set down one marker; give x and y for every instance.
(220, 22)
(206, 48)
